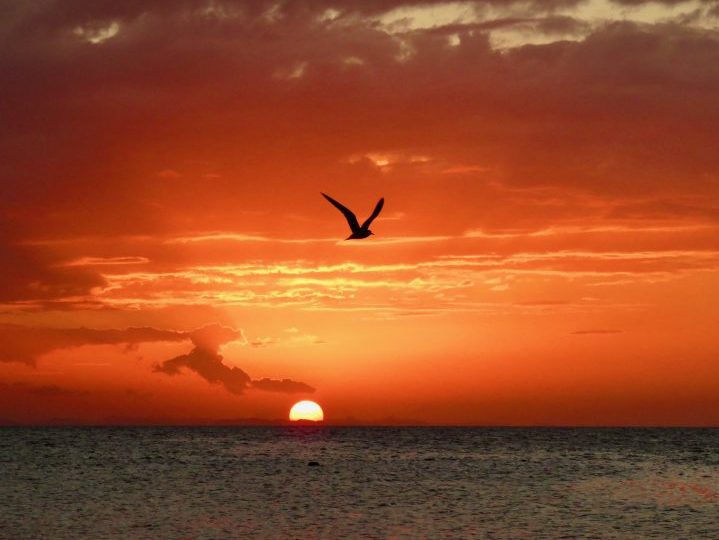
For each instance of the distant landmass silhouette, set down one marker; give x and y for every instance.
(119, 421)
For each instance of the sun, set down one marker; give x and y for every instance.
(306, 410)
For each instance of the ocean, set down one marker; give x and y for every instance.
(309, 482)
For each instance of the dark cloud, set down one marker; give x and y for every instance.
(27, 343)
(44, 17)
(667, 2)
(29, 274)
(286, 386)
(207, 364)
(205, 360)
(222, 73)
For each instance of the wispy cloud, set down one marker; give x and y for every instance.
(106, 261)
(241, 237)
(588, 229)
(303, 284)
(394, 240)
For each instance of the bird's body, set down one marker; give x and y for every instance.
(359, 235)
(358, 231)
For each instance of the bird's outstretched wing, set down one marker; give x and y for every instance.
(349, 216)
(375, 213)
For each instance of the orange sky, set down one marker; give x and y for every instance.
(548, 252)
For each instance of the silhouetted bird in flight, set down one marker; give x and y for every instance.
(358, 232)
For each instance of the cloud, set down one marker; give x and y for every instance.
(230, 237)
(604, 128)
(207, 363)
(433, 281)
(263, 341)
(242, 237)
(205, 360)
(107, 261)
(591, 96)
(27, 343)
(285, 386)
(292, 337)
(471, 79)
(30, 274)
(213, 336)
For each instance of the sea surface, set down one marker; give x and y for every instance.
(257, 482)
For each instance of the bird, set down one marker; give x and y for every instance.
(358, 231)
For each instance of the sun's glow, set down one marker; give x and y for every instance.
(306, 410)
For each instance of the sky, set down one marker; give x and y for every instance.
(548, 252)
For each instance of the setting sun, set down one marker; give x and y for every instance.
(306, 410)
